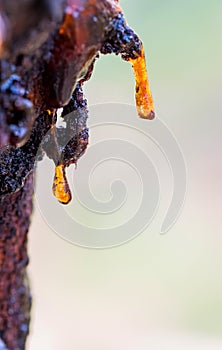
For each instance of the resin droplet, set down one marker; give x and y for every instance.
(60, 187)
(144, 100)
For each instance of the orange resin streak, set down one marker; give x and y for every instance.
(144, 100)
(60, 187)
(2, 32)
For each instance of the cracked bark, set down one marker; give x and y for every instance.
(47, 51)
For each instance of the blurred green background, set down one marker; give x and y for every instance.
(156, 292)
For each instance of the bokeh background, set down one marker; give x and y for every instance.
(155, 292)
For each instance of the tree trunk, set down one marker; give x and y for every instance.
(15, 300)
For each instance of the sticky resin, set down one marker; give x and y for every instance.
(60, 187)
(144, 100)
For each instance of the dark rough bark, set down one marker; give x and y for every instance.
(47, 51)
(15, 300)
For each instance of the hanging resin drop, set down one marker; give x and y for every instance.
(60, 187)
(144, 100)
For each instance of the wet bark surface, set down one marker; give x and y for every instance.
(15, 216)
(47, 51)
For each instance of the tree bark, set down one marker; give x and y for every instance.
(47, 51)
(15, 300)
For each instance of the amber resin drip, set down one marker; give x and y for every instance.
(144, 100)
(2, 33)
(60, 187)
(44, 55)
